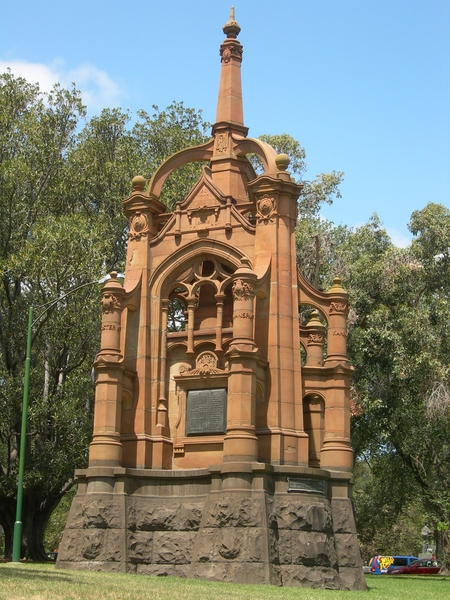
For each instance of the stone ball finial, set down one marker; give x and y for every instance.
(231, 28)
(282, 161)
(138, 183)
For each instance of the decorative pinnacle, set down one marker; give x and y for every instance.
(138, 183)
(231, 28)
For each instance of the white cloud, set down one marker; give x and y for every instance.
(98, 89)
(398, 238)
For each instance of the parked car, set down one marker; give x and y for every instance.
(424, 566)
(384, 564)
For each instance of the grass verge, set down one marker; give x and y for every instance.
(33, 581)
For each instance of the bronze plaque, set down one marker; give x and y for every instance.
(206, 411)
(310, 486)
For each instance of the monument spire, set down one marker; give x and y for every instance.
(229, 105)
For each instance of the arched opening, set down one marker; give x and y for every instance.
(206, 311)
(177, 310)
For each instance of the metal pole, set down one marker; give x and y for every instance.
(17, 539)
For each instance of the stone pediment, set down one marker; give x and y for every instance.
(205, 195)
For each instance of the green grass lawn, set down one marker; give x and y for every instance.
(44, 582)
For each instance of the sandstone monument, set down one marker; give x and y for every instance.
(216, 453)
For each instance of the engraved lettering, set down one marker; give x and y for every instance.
(206, 411)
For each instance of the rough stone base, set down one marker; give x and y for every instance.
(189, 524)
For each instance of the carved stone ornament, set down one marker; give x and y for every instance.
(227, 51)
(265, 207)
(315, 338)
(337, 307)
(138, 226)
(222, 143)
(110, 303)
(205, 364)
(203, 216)
(242, 290)
(226, 55)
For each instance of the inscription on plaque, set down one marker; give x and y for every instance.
(310, 486)
(206, 411)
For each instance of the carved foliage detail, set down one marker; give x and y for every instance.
(242, 290)
(315, 338)
(337, 307)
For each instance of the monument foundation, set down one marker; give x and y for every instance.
(217, 452)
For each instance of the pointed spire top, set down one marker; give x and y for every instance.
(231, 28)
(229, 105)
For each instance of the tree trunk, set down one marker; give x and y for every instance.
(443, 551)
(35, 515)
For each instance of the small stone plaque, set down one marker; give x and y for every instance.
(310, 486)
(206, 411)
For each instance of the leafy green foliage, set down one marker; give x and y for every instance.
(61, 228)
(165, 133)
(399, 345)
(316, 192)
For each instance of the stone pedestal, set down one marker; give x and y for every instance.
(240, 522)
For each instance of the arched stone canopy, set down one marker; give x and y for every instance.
(210, 436)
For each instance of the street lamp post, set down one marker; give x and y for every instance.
(17, 539)
(17, 536)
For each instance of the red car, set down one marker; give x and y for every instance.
(423, 566)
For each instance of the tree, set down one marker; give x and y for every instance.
(164, 133)
(399, 344)
(390, 514)
(37, 132)
(61, 226)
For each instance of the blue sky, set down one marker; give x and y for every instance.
(364, 85)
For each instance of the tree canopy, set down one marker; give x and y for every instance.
(62, 182)
(399, 341)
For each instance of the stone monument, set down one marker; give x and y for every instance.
(216, 453)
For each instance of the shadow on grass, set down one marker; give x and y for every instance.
(21, 572)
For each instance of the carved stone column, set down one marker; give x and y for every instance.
(241, 443)
(316, 340)
(191, 304)
(220, 299)
(106, 448)
(336, 453)
(337, 324)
